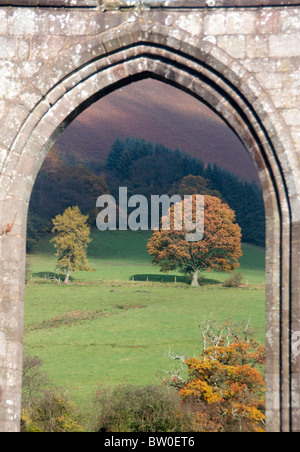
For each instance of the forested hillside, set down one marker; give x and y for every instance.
(144, 168)
(159, 113)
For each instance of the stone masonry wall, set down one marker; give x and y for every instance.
(241, 57)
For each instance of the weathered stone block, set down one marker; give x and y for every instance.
(289, 21)
(284, 46)
(23, 22)
(192, 23)
(292, 117)
(68, 24)
(7, 47)
(270, 80)
(240, 22)
(46, 47)
(267, 21)
(234, 45)
(214, 24)
(46, 79)
(257, 46)
(3, 155)
(3, 22)
(2, 343)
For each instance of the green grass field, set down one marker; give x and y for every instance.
(117, 323)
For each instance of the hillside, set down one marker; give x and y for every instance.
(162, 114)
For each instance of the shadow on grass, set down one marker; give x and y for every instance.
(51, 276)
(173, 279)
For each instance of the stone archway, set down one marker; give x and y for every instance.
(88, 70)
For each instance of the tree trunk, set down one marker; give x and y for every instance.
(195, 282)
(67, 276)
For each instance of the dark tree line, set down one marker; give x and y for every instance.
(144, 168)
(148, 168)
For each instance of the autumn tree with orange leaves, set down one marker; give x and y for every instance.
(220, 248)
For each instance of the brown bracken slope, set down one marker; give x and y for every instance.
(162, 114)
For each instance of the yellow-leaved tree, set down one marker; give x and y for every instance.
(72, 237)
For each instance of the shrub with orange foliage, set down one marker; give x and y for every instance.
(225, 390)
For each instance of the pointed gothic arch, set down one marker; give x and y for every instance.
(86, 72)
